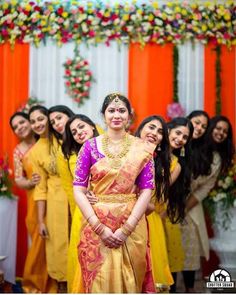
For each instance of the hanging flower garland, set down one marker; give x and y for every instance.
(95, 22)
(175, 109)
(218, 80)
(78, 78)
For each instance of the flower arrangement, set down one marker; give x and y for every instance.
(5, 181)
(30, 102)
(175, 110)
(222, 197)
(95, 22)
(78, 78)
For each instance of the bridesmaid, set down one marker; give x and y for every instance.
(180, 134)
(154, 130)
(79, 128)
(50, 196)
(35, 276)
(209, 158)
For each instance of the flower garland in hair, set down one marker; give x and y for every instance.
(78, 78)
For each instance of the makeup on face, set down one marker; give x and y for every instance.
(116, 115)
(58, 121)
(39, 123)
(200, 126)
(81, 131)
(21, 126)
(178, 136)
(220, 132)
(152, 132)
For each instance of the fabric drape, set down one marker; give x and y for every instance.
(14, 83)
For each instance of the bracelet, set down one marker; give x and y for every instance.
(99, 229)
(129, 227)
(89, 217)
(96, 224)
(125, 231)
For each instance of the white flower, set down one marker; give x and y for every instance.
(220, 183)
(219, 197)
(228, 180)
(225, 185)
(234, 203)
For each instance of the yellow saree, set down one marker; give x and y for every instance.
(122, 270)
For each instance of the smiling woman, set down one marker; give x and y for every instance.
(113, 250)
(35, 276)
(50, 197)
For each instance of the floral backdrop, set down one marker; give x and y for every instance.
(94, 22)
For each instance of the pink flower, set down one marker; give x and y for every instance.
(175, 110)
(178, 16)
(69, 62)
(91, 33)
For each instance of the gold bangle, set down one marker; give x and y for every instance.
(129, 226)
(96, 224)
(125, 230)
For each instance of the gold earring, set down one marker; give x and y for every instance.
(182, 152)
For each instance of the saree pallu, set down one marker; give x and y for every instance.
(119, 270)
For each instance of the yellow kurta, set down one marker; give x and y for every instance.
(159, 257)
(66, 171)
(50, 190)
(174, 238)
(35, 276)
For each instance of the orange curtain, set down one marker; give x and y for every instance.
(14, 81)
(210, 80)
(228, 76)
(150, 86)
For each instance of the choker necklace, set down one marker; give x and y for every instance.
(115, 159)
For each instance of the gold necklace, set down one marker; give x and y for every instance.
(115, 159)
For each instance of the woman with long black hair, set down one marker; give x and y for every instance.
(212, 154)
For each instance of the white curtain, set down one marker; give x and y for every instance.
(109, 66)
(191, 76)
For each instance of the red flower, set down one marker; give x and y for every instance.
(91, 33)
(60, 10)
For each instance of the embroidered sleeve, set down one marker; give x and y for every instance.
(18, 165)
(83, 164)
(146, 177)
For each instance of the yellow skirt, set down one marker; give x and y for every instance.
(159, 257)
(74, 278)
(174, 246)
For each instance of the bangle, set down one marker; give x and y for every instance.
(129, 226)
(125, 231)
(89, 217)
(95, 225)
(99, 229)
